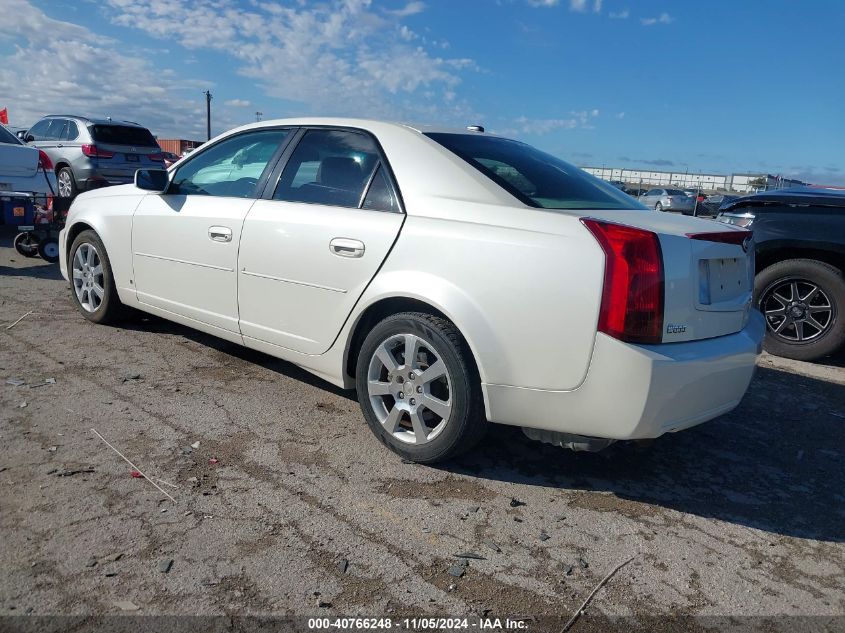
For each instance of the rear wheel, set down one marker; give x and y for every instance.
(803, 301)
(66, 182)
(26, 244)
(658, 207)
(93, 288)
(418, 388)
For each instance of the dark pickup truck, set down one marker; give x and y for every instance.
(800, 282)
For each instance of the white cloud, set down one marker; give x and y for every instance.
(620, 15)
(620, 115)
(597, 6)
(238, 103)
(543, 3)
(578, 5)
(576, 119)
(57, 65)
(412, 8)
(663, 18)
(335, 57)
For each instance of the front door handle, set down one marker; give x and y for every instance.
(220, 233)
(345, 247)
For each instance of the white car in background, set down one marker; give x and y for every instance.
(455, 278)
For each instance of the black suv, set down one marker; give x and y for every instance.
(800, 283)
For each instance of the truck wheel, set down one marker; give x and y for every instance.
(92, 283)
(418, 388)
(26, 244)
(803, 301)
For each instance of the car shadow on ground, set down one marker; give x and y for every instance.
(150, 323)
(44, 270)
(776, 463)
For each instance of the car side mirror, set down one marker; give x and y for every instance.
(156, 180)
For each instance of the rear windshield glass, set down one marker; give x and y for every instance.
(7, 137)
(534, 177)
(123, 135)
(675, 192)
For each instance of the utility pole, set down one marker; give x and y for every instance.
(258, 116)
(208, 113)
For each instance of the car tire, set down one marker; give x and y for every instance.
(66, 183)
(26, 244)
(49, 250)
(403, 421)
(89, 272)
(658, 207)
(775, 290)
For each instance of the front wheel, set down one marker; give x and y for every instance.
(803, 301)
(93, 288)
(418, 388)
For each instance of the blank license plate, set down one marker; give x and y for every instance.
(728, 278)
(132, 158)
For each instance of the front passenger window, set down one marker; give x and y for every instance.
(230, 168)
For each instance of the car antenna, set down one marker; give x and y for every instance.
(475, 128)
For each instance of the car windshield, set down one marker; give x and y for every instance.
(534, 177)
(123, 135)
(7, 137)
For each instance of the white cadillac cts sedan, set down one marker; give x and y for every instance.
(455, 278)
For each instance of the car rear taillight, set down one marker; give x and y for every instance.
(92, 151)
(723, 237)
(44, 161)
(159, 158)
(632, 299)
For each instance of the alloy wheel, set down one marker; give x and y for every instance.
(65, 184)
(88, 277)
(410, 389)
(797, 310)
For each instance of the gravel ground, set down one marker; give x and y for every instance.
(304, 512)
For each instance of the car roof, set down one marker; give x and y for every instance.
(372, 125)
(93, 121)
(817, 196)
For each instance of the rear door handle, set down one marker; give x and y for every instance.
(345, 247)
(220, 233)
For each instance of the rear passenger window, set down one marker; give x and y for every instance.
(72, 132)
(329, 167)
(380, 194)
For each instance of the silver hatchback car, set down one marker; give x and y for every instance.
(92, 153)
(668, 200)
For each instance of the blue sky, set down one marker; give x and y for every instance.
(713, 86)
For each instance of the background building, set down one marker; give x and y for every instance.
(177, 146)
(741, 183)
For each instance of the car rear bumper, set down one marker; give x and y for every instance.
(640, 391)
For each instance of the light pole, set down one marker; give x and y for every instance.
(258, 116)
(208, 114)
